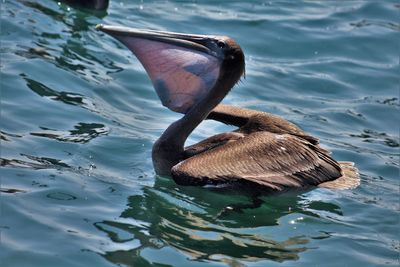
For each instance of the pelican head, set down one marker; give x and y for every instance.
(183, 68)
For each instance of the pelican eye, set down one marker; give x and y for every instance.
(221, 44)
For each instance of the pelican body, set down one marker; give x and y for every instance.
(191, 75)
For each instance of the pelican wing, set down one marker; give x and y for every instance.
(250, 121)
(211, 142)
(275, 161)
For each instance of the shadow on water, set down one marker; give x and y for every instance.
(188, 220)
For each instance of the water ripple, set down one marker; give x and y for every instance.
(79, 117)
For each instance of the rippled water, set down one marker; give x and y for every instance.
(79, 116)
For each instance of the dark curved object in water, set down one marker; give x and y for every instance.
(89, 4)
(192, 74)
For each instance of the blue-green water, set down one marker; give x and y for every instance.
(79, 116)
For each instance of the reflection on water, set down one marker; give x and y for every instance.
(68, 49)
(35, 163)
(5, 136)
(371, 136)
(366, 23)
(45, 10)
(11, 190)
(43, 90)
(83, 133)
(188, 219)
(89, 4)
(98, 8)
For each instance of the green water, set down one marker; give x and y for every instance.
(79, 116)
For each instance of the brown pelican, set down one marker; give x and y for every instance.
(191, 75)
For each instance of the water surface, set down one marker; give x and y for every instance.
(79, 116)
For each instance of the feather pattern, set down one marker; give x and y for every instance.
(276, 161)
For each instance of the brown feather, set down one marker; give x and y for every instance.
(350, 178)
(270, 160)
(211, 143)
(251, 121)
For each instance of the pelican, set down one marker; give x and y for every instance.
(191, 75)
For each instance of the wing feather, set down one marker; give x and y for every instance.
(211, 142)
(276, 161)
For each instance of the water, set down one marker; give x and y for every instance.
(79, 116)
